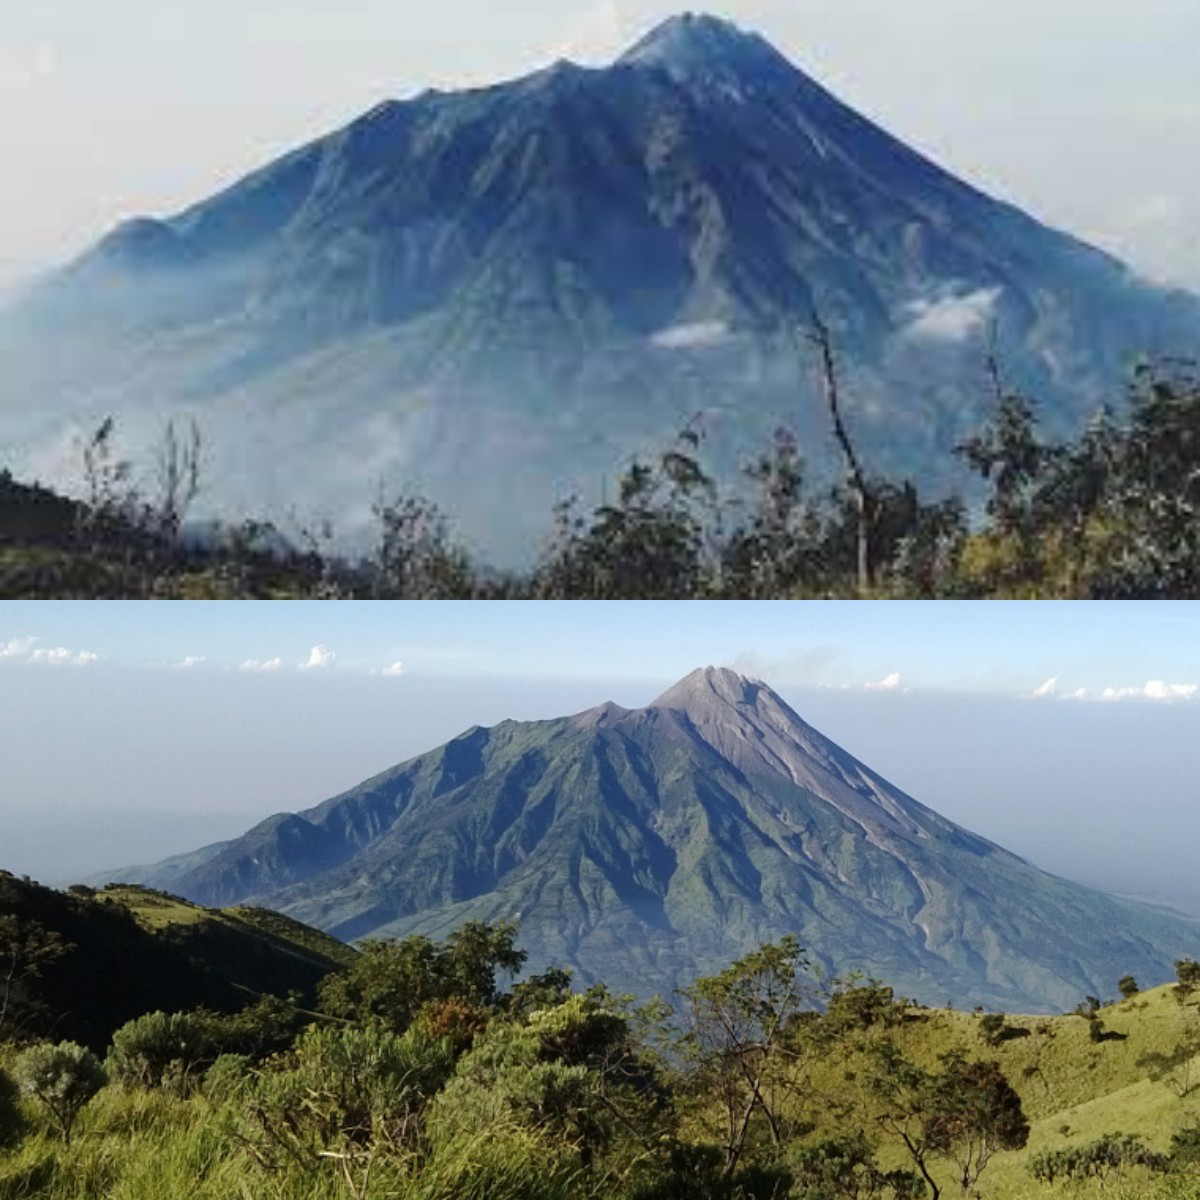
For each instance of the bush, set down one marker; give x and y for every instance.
(844, 1168)
(1096, 1160)
(63, 1078)
(228, 1078)
(162, 1049)
(347, 1090)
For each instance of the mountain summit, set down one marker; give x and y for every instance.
(645, 846)
(494, 295)
(695, 43)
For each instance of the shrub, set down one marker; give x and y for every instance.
(1095, 1160)
(844, 1168)
(63, 1078)
(991, 1028)
(161, 1049)
(348, 1091)
(228, 1078)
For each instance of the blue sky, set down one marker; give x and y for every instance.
(1002, 649)
(136, 106)
(112, 751)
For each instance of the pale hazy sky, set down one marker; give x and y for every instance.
(1086, 112)
(132, 731)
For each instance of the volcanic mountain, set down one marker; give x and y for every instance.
(494, 295)
(645, 846)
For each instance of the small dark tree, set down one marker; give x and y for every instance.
(776, 548)
(738, 1040)
(966, 1112)
(63, 1078)
(1187, 971)
(1009, 454)
(1127, 986)
(26, 949)
(651, 543)
(976, 1112)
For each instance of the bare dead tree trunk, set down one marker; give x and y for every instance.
(178, 469)
(864, 499)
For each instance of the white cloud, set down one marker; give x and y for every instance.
(697, 336)
(60, 656)
(259, 664)
(17, 647)
(192, 660)
(889, 683)
(1156, 690)
(953, 318)
(319, 656)
(392, 672)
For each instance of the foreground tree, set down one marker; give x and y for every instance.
(650, 543)
(740, 1045)
(63, 1078)
(965, 1112)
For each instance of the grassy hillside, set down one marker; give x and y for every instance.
(127, 950)
(416, 1078)
(1073, 1090)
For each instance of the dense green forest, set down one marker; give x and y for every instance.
(1111, 513)
(422, 1069)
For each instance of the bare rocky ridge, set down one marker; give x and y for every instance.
(644, 846)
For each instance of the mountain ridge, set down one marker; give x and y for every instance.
(499, 293)
(645, 846)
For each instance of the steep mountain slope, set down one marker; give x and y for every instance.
(491, 293)
(131, 951)
(644, 846)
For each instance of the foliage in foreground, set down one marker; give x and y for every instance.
(1112, 513)
(419, 1075)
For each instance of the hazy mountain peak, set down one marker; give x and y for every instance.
(693, 41)
(707, 686)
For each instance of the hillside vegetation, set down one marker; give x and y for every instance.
(79, 964)
(1109, 514)
(418, 1075)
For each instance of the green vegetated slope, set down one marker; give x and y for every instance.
(128, 950)
(417, 1078)
(1073, 1090)
(648, 847)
